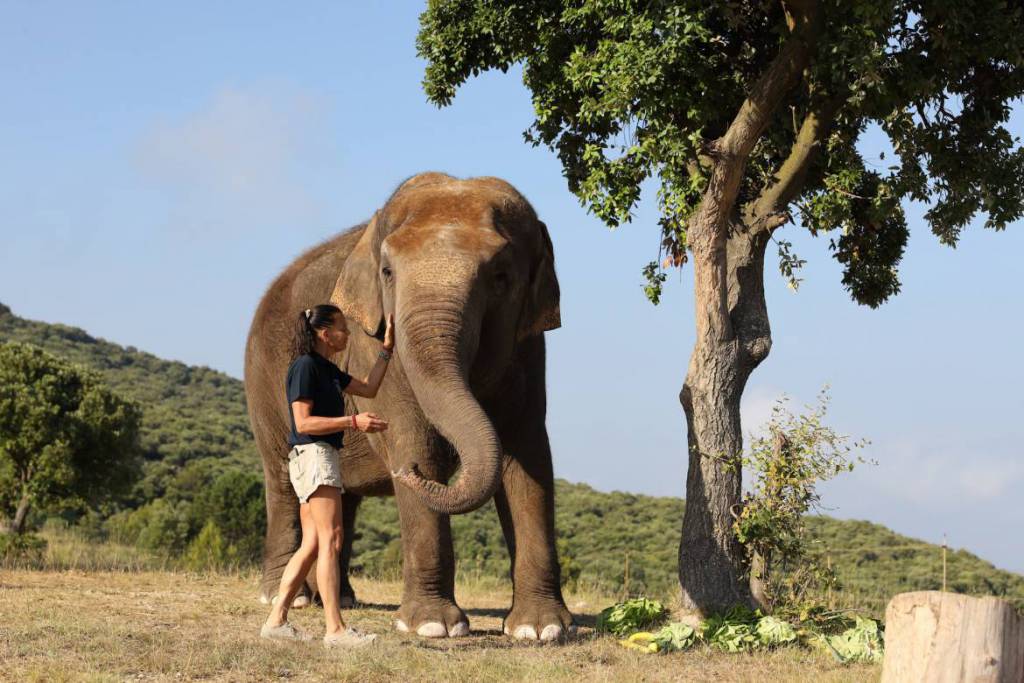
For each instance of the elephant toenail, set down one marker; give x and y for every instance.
(401, 626)
(525, 632)
(264, 600)
(300, 601)
(551, 632)
(460, 629)
(432, 629)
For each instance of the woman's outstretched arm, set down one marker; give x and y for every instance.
(368, 387)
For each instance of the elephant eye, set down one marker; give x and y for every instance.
(386, 272)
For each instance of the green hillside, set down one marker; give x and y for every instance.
(197, 441)
(189, 413)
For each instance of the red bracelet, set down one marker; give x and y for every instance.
(355, 425)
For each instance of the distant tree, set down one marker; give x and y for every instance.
(748, 113)
(234, 502)
(66, 441)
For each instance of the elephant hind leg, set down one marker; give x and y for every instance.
(283, 528)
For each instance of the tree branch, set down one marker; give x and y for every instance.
(709, 227)
(766, 210)
(732, 149)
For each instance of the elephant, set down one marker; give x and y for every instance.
(466, 269)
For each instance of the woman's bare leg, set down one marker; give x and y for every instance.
(325, 505)
(296, 570)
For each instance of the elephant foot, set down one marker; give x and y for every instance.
(347, 600)
(544, 621)
(432, 619)
(298, 602)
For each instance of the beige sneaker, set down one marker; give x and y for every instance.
(283, 632)
(349, 638)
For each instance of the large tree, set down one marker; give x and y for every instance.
(67, 443)
(748, 113)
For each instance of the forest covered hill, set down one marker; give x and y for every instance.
(196, 442)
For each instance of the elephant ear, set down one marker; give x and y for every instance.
(541, 308)
(357, 291)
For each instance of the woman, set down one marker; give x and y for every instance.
(314, 386)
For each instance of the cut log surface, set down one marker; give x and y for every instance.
(934, 636)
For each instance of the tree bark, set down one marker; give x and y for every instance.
(759, 566)
(933, 636)
(733, 335)
(711, 560)
(18, 523)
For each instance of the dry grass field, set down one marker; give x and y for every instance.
(96, 625)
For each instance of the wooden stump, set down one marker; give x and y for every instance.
(933, 636)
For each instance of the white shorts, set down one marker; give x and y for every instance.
(311, 465)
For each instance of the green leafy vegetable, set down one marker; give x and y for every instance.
(862, 643)
(732, 637)
(674, 637)
(631, 615)
(772, 631)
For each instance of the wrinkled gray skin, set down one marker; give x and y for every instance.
(467, 270)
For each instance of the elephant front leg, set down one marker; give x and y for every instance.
(526, 508)
(428, 570)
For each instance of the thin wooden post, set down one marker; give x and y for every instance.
(828, 564)
(943, 563)
(625, 580)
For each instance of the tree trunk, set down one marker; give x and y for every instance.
(728, 273)
(18, 524)
(759, 566)
(733, 335)
(933, 636)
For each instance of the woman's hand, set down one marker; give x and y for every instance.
(389, 334)
(369, 422)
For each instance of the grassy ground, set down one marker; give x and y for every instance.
(164, 626)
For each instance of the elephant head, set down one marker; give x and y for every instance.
(467, 270)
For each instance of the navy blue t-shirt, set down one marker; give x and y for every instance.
(311, 376)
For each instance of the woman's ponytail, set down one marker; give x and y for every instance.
(309, 321)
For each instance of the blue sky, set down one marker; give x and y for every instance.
(160, 166)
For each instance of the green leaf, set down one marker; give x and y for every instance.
(631, 615)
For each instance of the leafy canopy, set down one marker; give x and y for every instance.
(66, 441)
(628, 90)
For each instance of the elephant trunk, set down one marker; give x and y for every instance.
(436, 344)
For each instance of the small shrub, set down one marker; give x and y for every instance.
(159, 526)
(570, 569)
(21, 548)
(798, 453)
(209, 551)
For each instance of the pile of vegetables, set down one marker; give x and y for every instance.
(738, 630)
(860, 643)
(631, 615)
